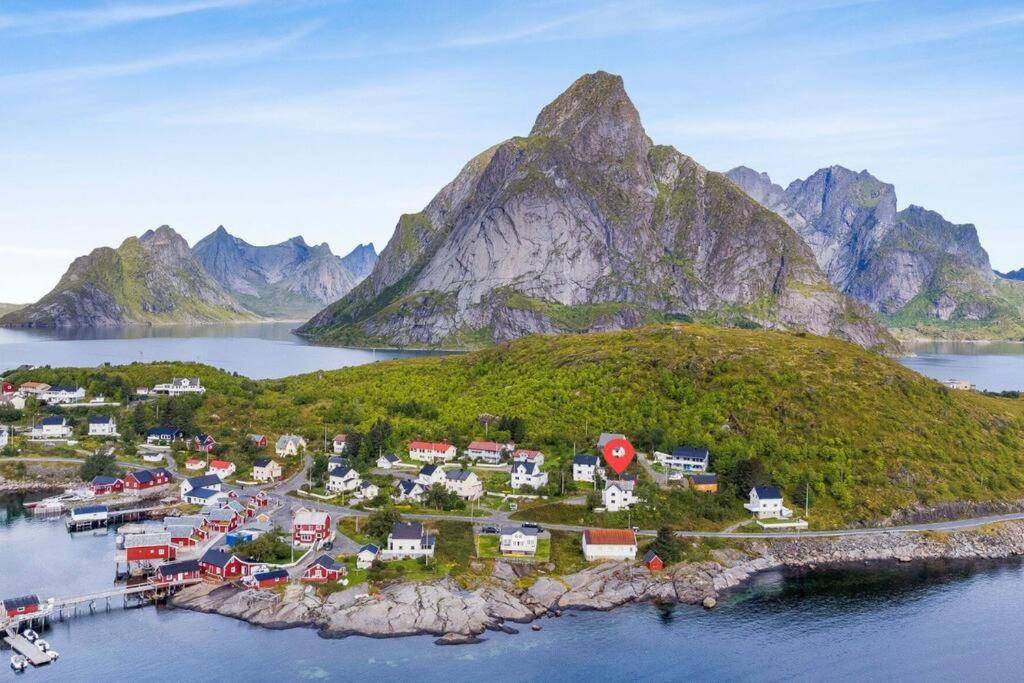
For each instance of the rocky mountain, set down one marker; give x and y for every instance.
(287, 280)
(920, 271)
(1012, 275)
(152, 278)
(586, 224)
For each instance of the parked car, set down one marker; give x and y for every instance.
(489, 530)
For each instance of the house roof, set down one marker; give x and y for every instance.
(158, 431)
(338, 461)
(100, 419)
(768, 492)
(525, 453)
(609, 537)
(203, 438)
(104, 480)
(286, 439)
(255, 437)
(391, 457)
(690, 453)
(182, 567)
(440, 446)
(88, 509)
(22, 601)
(622, 484)
(530, 467)
(700, 479)
(144, 476)
(307, 516)
(145, 540)
(185, 381)
(272, 574)
(202, 493)
(407, 530)
(218, 558)
(369, 548)
(428, 470)
(608, 436)
(407, 486)
(365, 484)
(52, 420)
(585, 459)
(459, 475)
(220, 464)
(528, 530)
(343, 472)
(261, 462)
(221, 514)
(328, 562)
(489, 446)
(340, 438)
(64, 388)
(650, 555)
(203, 481)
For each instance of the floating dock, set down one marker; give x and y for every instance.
(24, 646)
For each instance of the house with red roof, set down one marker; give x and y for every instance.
(221, 468)
(431, 451)
(609, 544)
(490, 452)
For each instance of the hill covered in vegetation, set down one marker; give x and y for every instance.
(863, 433)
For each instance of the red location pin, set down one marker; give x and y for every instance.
(618, 453)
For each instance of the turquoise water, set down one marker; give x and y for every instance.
(936, 622)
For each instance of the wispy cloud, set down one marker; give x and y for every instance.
(108, 15)
(936, 29)
(238, 52)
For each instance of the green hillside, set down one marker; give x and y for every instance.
(867, 434)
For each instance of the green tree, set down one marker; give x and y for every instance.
(96, 465)
(318, 471)
(440, 498)
(667, 545)
(268, 547)
(749, 473)
(379, 524)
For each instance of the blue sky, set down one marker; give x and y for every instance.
(329, 119)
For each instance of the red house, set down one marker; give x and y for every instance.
(144, 547)
(310, 526)
(204, 443)
(16, 607)
(147, 479)
(653, 562)
(103, 485)
(257, 440)
(324, 570)
(223, 520)
(173, 572)
(271, 578)
(219, 564)
(260, 499)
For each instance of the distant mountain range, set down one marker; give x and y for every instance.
(584, 225)
(923, 274)
(157, 278)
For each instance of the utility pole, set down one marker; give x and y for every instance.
(807, 499)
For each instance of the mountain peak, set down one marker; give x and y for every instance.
(595, 116)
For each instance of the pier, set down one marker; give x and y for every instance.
(25, 647)
(99, 516)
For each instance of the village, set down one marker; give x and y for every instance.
(189, 511)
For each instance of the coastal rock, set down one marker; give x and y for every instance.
(256, 607)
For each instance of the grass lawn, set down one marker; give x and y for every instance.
(347, 526)
(567, 552)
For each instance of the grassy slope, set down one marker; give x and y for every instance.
(868, 434)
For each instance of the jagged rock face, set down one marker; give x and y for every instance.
(881, 258)
(152, 278)
(586, 225)
(290, 279)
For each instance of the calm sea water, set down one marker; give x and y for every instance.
(993, 366)
(937, 622)
(258, 350)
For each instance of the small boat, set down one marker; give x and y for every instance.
(30, 635)
(18, 663)
(43, 645)
(53, 655)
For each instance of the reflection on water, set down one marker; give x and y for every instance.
(991, 366)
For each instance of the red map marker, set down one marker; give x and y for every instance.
(618, 453)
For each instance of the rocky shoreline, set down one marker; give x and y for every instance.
(457, 614)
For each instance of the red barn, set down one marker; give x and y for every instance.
(219, 564)
(324, 570)
(104, 485)
(310, 526)
(16, 607)
(271, 578)
(147, 479)
(177, 571)
(653, 562)
(144, 547)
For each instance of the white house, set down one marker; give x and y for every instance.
(463, 483)
(609, 544)
(180, 386)
(429, 451)
(340, 443)
(343, 479)
(12, 401)
(62, 393)
(407, 539)
(518, 540)
(152, 456)
(336, 461)
(487, 451)
(51, 427)
(430, 475)
(195, 464)
(606, 437)
(386, 462)
(206, 481)
(266, 469)
(684, 458)
(163, 435)
(5, 436)
(766, 502)
(366, 555)
(618, 495)
(367, 490)
(408, 490)
(204, 496)
(584, 467)
(528, 455)
(221, 468)
(527, 473)
(290, 444)
(102, 425)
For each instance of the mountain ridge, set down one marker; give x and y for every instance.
(585, 224)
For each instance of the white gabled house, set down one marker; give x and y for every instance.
(609, 544)
(340, 443)
(289, 444)
(408, 491)
(51, 427)
(430, 475)
(430, 451)
(367, 490)
(366, 555)
(488, 451)
(343, 479)
(585, 467)
(63, 393)
(387, 461)
(102, 425)
(527, 473)
(525, 454)
(766, 503)
(518, 540)
(618, 495)
(463, 483)
(205, 481)
(684, 458)
(5, 436)
(180, 386)
(266, 469)
(407, 539)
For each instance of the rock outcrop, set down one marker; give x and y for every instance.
(288, 280)
(912, 266)
(149, 279)
(585, 225)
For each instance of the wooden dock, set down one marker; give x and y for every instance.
(24, 646)
(115, 517)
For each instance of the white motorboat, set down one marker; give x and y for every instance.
(43, 645)
(30, 635)
(18, 663)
